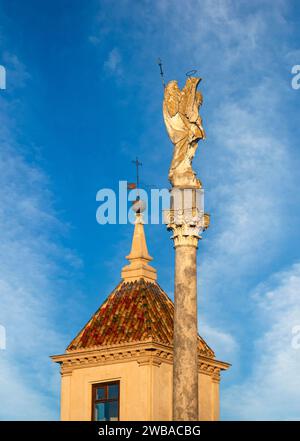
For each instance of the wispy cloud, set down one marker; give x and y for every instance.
(113, 63)
(31, 275)
(17, 73)
(271, 390)
(251, 164)
(246, 164)
(223, 343)
(246, 167)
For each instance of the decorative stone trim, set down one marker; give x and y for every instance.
(211, 370)
(186, 225)
(145, 353)
(145, 361)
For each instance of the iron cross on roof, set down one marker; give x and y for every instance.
(137, 165)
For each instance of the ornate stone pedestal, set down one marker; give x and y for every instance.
(187, 220)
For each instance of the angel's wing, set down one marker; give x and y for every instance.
(189, 104)
(172, 98)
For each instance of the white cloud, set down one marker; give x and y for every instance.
(293, 56)
(248, 178)
(20, 400)
(27, 265)
(17, 75)
(271, 391)
(32, 268)
(252, 175)
(94, 40)
(247, 169)
(223, 344)
(113, 64)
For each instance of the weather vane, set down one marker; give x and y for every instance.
(135, 185)
(137, 165)
(138, 205)
(159, 62)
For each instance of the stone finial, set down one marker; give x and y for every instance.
(139, 257)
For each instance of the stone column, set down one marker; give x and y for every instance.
(185, 369)
(186, 219)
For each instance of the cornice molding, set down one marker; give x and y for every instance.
(144, 353)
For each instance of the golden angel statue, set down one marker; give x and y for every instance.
(184, 126)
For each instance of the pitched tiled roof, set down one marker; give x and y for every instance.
(133, 312)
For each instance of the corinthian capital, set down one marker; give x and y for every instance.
(186, 217)
(187, 225)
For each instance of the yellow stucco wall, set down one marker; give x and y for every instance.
(145, 391)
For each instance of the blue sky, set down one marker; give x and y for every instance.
(83, 99)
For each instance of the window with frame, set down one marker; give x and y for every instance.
(106, 401)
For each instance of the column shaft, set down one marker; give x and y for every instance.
(185, 367)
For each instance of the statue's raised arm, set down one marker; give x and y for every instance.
(184, 126)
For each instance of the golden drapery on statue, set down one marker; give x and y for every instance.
(184, 126)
